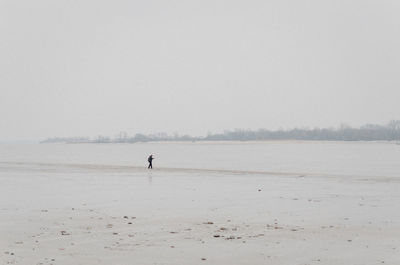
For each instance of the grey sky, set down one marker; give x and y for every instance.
(83, 68)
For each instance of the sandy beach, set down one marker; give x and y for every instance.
(274, 127)
(90, 214)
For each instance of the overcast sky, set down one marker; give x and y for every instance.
(84, 68)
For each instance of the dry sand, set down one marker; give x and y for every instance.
(121, 215)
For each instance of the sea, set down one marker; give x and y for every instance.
(369, 159)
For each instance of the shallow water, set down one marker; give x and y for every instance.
(268, 218)
(333, 158)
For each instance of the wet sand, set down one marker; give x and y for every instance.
(82, 214)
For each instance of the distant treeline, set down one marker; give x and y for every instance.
(369, 132)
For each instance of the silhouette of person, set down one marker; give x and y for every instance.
(150, 159)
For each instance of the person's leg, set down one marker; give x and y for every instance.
(151, 165)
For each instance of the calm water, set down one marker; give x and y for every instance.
(344, 158)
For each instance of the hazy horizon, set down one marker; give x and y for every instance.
(117, 134)
(177, 135)
(101, 67)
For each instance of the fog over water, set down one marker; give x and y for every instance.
(84, 68)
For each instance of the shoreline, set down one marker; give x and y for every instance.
(234, 142)
(230, 172)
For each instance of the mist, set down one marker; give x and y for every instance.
(86, 68)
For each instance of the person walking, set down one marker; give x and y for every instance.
(150, 160)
